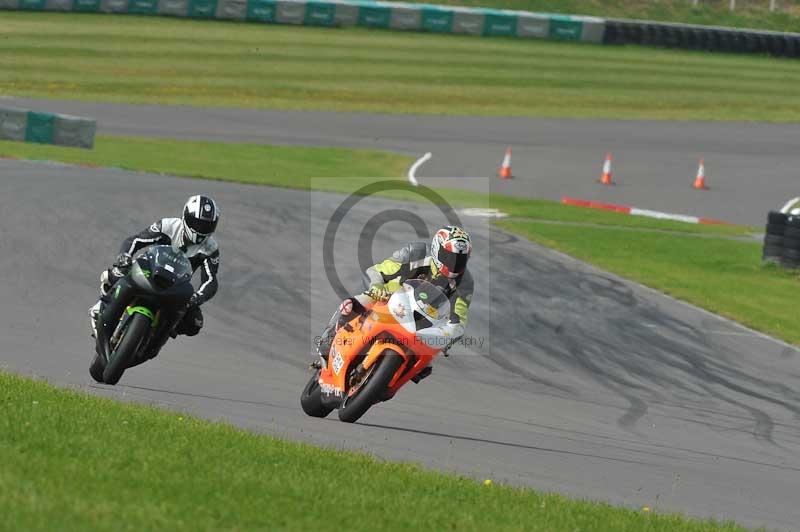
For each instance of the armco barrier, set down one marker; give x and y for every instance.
(46, 128)
(443, 19)
(366, 13)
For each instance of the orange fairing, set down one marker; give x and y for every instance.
(369, 338)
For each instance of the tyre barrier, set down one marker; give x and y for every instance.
(695, 37)
(791, 243)
(24, 125)
(772, 250)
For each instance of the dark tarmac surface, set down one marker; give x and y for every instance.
(585, 384)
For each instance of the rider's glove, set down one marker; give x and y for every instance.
(378, 292)
(121, 265)
(193, 302)
(123, 261)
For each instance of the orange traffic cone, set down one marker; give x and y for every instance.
(505, 168)
(700, 180)
(606, 178)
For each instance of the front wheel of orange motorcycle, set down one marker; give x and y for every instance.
(372, 389)
(311, 398)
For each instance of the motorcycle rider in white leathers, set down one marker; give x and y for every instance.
(192, 235)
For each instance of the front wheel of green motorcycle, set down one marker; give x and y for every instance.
(132, 339)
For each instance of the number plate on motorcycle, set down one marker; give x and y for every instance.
(338, 362)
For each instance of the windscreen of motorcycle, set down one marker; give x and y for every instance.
(419, 305)
(147, 260)
(173, 261)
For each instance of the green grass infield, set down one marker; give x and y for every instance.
(73, 461)
(133, 59)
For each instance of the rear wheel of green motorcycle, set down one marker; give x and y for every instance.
(132, 339)
(311, 398)
(373, 389)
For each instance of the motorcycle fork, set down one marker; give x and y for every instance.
(117, 335)
(112, 314)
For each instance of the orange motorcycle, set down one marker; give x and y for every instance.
(376, 353)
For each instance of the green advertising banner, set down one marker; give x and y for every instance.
(261, 10)
(500, 24)
(32, 5)
(374, 16)
(202, 8)
(565, 29)
(40, 127)
(143, 7)
(320, 14)
(86, 6)
(437, 20)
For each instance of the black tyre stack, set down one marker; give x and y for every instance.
(791, 242)
(774, 238)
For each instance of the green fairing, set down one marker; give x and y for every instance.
(146, 312)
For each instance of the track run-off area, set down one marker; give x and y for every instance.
(583, 383)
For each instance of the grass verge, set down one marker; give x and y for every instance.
(721, 275)
(88, 463)
(282, 166)
(123, 58)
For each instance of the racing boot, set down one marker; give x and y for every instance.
(424, 372)
(94, 310)
(324, 343)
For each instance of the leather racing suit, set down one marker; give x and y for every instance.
(412, 261)
(204, 256)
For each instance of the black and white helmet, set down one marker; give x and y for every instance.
(200, 217)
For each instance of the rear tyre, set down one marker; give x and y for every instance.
(790, 258)
(132, 339)
(311, 398)
(776, 230)
(791, 243)
(374, 389)
(776, 218)
(772, 254)
(773, 240)
(791, 228)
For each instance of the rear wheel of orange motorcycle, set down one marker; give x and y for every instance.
(311, 398)
(373, 388)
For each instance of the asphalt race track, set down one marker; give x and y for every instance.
(750, 167)
(585, 384)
